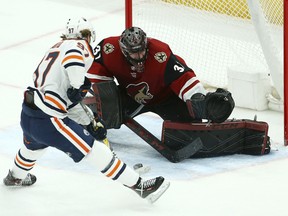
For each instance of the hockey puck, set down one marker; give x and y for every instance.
(137, 166)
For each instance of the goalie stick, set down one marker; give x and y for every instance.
(170, 154)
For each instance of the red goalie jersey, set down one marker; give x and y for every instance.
(163, 73)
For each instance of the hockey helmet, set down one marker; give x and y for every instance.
(75, 27)
(133, 41)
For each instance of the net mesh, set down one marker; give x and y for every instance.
(211, 35)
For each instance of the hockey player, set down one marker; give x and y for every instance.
(152, 78)
(134, 74)
(52, 116)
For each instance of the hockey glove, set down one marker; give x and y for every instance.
(77, 95)
(98, 130)
(219, 105)
(215, 106)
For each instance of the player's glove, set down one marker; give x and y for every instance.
(77, 95)
(97, 129)
(215, 106)
(219, 105)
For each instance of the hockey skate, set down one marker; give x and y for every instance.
(151, 189)
(9, 180)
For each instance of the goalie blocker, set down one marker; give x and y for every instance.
(242, 136)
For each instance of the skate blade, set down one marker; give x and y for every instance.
(157, 194)
(143, 170)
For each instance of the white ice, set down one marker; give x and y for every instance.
(237, 185)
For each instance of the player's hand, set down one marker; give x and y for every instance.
(77, 95)
(97, 129)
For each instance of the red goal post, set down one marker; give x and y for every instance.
(249, 37)
(285, 78)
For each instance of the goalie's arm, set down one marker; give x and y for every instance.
(215, 106)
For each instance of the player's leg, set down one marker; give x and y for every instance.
(24, 162)
(75, 141)
(26, 157)
(114, 168)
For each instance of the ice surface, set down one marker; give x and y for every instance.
(237, 185)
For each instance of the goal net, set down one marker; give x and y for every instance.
(218, 37)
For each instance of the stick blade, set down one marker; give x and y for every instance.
(188, 151)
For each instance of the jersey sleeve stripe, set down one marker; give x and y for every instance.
(46, 105)
(74, 64)
(55, 102)
(198, 88)
(187, 86)
(73, 51)
(72, 57)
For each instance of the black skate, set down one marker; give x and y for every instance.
(12, 181)
(151, 189)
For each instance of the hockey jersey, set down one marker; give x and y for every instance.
(63, 66)
(164, 73)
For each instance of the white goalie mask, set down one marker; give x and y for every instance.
(74, 27)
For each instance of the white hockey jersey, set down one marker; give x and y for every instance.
(63, 66)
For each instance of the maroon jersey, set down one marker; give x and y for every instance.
(164, 73)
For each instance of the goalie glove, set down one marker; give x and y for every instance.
(97, 129)
(219, 105)
(215, 106)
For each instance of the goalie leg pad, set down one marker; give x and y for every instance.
(106, 102)
(231, 137)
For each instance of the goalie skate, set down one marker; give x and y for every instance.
(10, 180)
(151, 189)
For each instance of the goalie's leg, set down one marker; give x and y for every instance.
(112, 167)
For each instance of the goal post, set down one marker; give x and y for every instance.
(128, 13)
(285, 73)
(232, 44)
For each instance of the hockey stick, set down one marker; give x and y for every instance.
(93, 120)
(170, 154)
(139, 167)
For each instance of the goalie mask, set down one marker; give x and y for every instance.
(133, 44)
(80, 28)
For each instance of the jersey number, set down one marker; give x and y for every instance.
(51, 59)
(178, 68)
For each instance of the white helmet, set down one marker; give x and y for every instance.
(74, 27)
